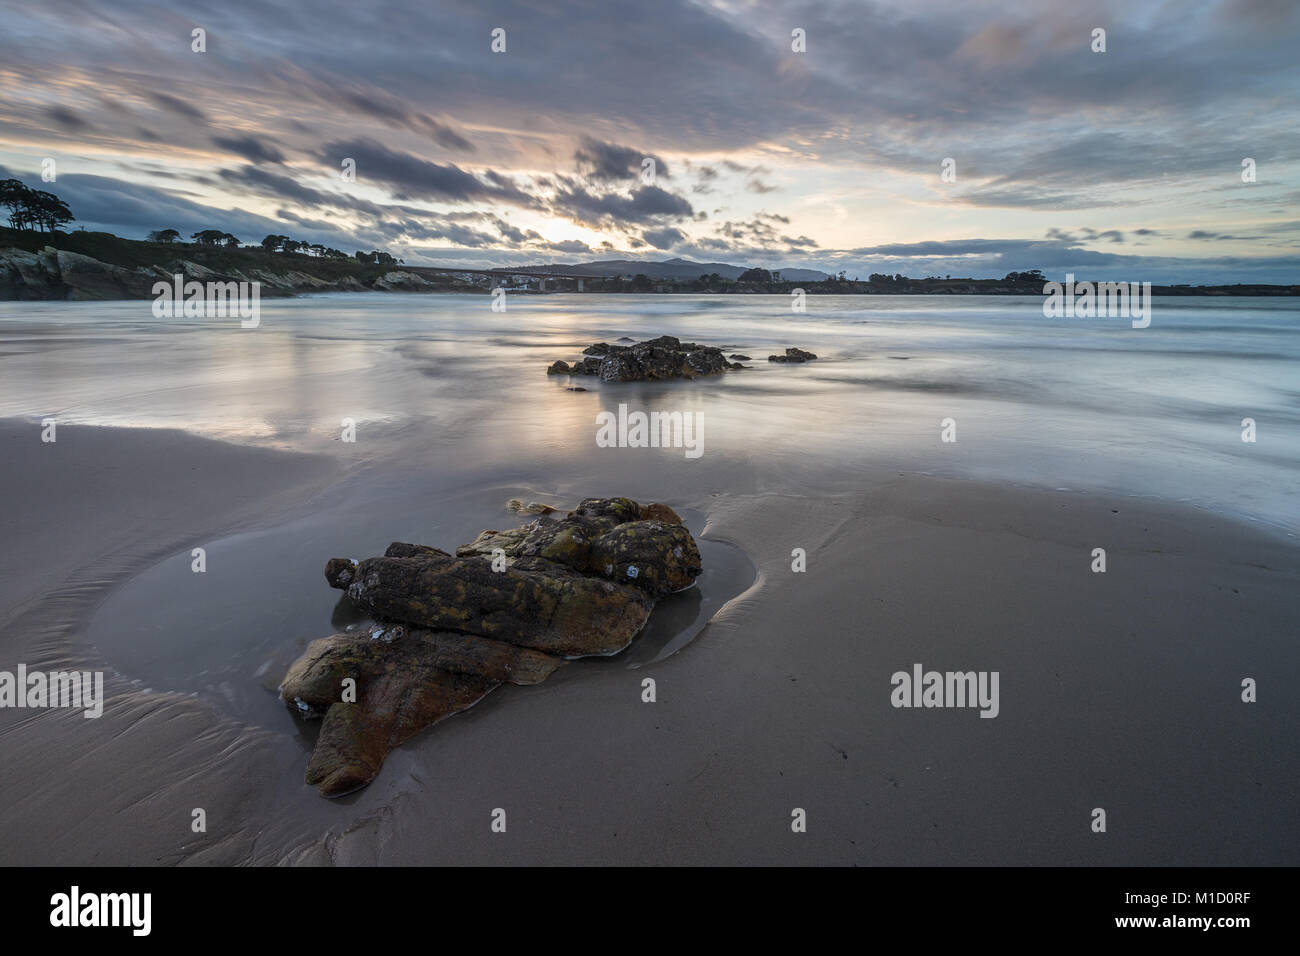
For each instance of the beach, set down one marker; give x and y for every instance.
(1119, 690)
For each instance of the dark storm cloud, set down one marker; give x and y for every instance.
(511, 233)
(257, 149)
(391, 220)
(267, 183)
(366, 99)
(649, 204)
(760, 231)
(176, 105)
(410, 177)
(663, 238)
(608, 162)
(457, 234)
(288, 215)
(1086, 234)
(66, 118)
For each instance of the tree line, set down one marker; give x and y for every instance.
(286, 244)
(33, 210)
(276, 245)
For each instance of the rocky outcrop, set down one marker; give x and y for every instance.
(30, 275)
(287, 283)
(792, 355)
(509, 607)
(400, 281)
(60, 274)
(87, 278)
(662, 358)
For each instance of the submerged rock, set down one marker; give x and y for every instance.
(792, 355)
(508, 607)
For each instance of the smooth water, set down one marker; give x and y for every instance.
(444, 382)
(454, 414)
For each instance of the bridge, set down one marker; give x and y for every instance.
(539, 275)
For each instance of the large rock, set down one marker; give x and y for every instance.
(406, 679)
(88, 278)
(662, 358)
(30, 275)
(59, 274)
(448, 629)
(645, 546)
(551, 609)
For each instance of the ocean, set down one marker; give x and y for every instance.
(1080, 403)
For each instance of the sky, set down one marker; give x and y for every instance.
(965, 138)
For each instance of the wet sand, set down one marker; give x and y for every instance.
(1118, 690)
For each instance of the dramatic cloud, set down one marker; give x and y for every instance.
(606, 162)
(174, 104)
(645, 205)
(410, 177)
(1144, 147)
(252, 148)
(663, 238)
(68, 119)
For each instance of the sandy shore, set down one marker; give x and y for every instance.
(92, 507)
(1118, 690)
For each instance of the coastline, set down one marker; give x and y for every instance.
(1119, 690)
(32, 270)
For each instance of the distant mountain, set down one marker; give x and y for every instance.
(669, 269)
